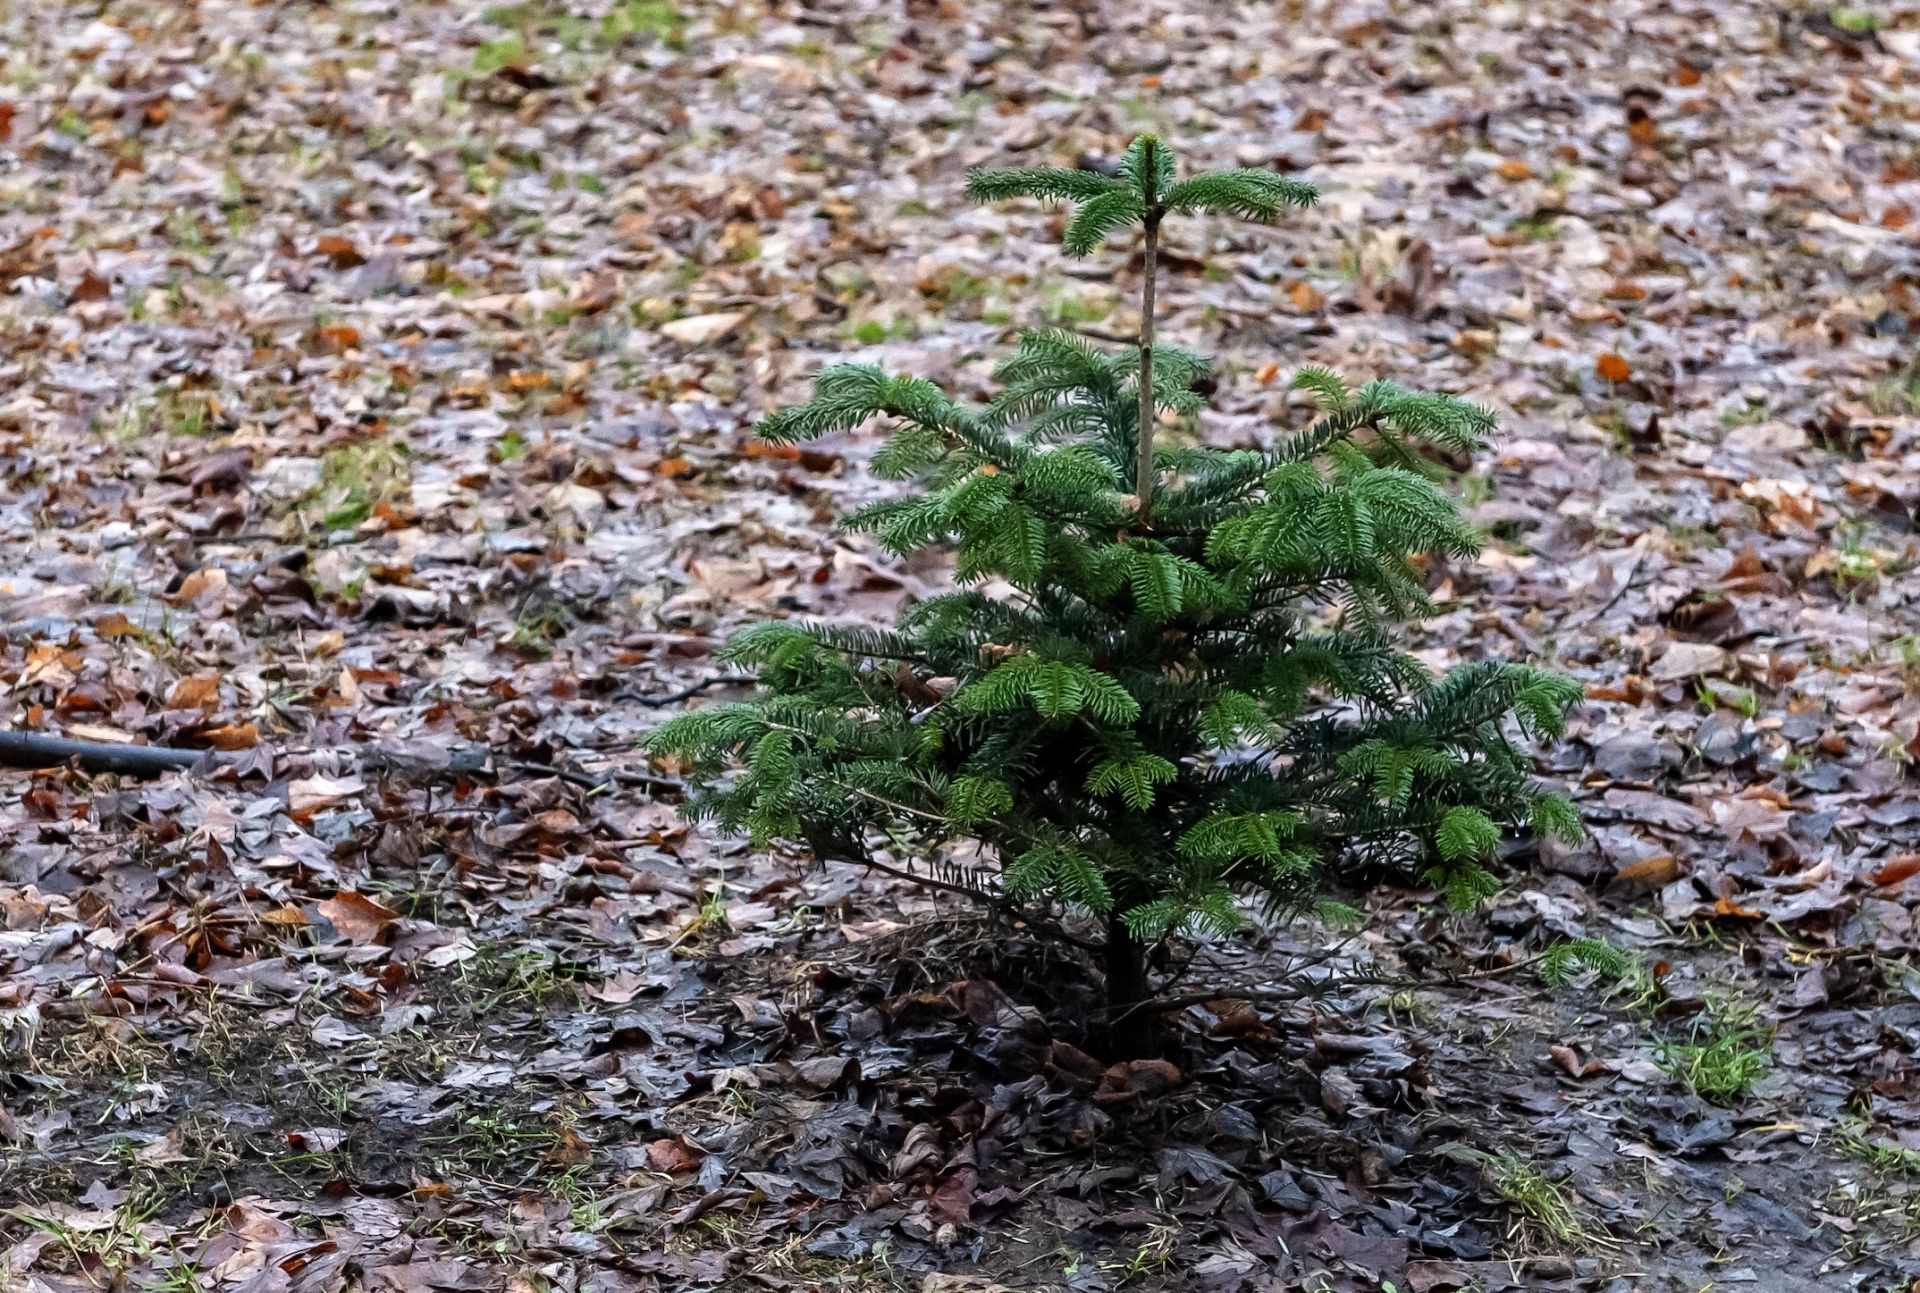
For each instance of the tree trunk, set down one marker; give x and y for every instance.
(1143, 468)
(1129, 1032)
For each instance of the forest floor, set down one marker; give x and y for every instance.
(376, 387)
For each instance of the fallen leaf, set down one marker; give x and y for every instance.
(165, 1150)
(341, 253)
(200, 584)
(1896, 869)
(358, 918)
(1686, 660)
(569, 1148)
(1136, 1078)
(952, 1200)
(1569, 1059)
(319, 1140)
(1613, 368)
(309, 793)
(702, 329)
(231, 736)
(198, 692)
(1650, 873)
(1656, 810)
(99, 732)
(673, 1156)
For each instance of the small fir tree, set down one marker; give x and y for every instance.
(1170, 679)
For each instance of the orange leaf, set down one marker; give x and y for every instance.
(674, 467)
(195, 693)
(1268, 371)
(198, 583)
(568, 1149)
(115, 625)
(1686, 75)
(1613, 368)
(342, 253)
(358, 918)
(340, 336)
(1514, 169)
(1724, 906)
(527, 381)
(232, 736)
(673, 1156)
(1569, 1059)
(1896, 869)
(1305, 297)
(1653, 872)
(768, 449)
(91, 287)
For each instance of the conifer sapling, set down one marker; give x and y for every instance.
(1169, 680)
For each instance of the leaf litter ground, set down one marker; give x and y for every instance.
(376, 391)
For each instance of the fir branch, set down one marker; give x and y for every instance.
(1049, 183)
(1250, 195)
(1099, 217)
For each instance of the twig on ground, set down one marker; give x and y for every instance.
(656, 699)
(1621, 590)
(39, 750)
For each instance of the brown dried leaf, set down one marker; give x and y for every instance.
(339, 251)
(198, 692)
(358, 918)
(1897, 869)
(231, 736)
